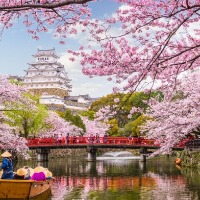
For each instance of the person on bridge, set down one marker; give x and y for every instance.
(7, 166)
(60, 139)
(97, 138)
(130, 138)
(56, 136)
(67, 138)
(91, 138)
(105, 138)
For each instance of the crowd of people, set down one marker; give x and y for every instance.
(39, 173)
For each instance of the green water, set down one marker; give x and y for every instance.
(158, 179)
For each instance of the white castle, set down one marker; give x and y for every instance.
(48, 78)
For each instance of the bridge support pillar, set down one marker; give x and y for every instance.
(42, 154)
(143, 154)
(92, 153)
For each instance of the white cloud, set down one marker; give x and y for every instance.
(81, 84)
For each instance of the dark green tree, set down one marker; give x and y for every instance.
(74, 119)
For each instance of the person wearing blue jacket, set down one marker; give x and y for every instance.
(7, 166)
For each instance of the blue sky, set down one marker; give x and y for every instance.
(17, 48)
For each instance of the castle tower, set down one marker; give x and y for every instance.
(47, 77)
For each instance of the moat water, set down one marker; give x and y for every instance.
(121, 179)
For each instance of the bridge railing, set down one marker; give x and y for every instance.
(106, 141)
(194, 144)
(91, 140)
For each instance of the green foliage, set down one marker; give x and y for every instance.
(133, 128)
(123, 108)
(90, 114)
(108, 100)
(190, 159)
(113, 131)
(74, 119)
(27, 119)
(139, 100)
(16, 82)
(77, 121)
(104, 101)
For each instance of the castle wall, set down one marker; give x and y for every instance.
(50, 91)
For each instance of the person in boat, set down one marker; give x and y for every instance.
(1, 172)
(29, 172)
(7, 166)
(39, 174)
(49, 175)
(20, 174)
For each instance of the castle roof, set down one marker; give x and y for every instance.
(86, 97)
(48, 52)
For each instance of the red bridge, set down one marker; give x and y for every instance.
(91, 144)
(102, 142)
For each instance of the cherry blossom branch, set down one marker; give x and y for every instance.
(46, 5)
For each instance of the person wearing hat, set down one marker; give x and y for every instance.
(49, 175)
(7, 166)
(29, 172)
(39, 174)
(20, 174)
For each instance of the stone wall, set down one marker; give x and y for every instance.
(62, 153)
(76, 104)
(50, 91)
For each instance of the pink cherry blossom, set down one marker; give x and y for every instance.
(9, 139)
(57, 126)
(95, 127)
(175, 117)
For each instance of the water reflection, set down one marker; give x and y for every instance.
(158, 179)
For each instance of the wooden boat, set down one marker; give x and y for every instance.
(25, 189)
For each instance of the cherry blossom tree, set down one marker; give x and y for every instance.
(95, 127)
(27, 117)
(144, 42)
(174, 118)
(57, 126)
(10, 93)
(152, 40)
(143, 39)
(12, 141)
(39, 15)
